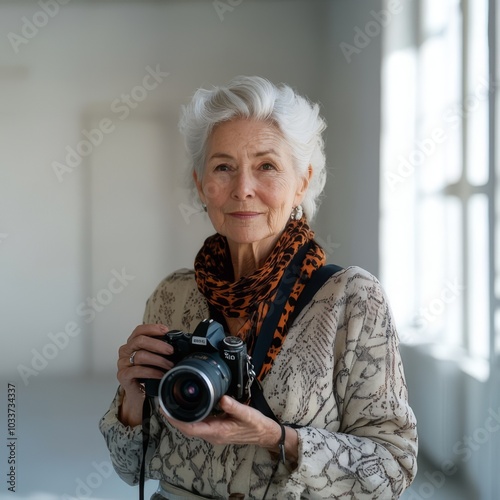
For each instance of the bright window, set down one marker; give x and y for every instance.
(438, 231)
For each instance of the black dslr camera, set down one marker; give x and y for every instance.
(208, 364)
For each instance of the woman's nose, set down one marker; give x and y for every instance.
(243, 186)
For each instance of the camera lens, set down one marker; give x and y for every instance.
(189, 391)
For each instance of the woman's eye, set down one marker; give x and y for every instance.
(222, 168)
(268, 166)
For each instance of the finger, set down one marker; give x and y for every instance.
(198, 429)
(150, 329)
(132, 374)
(216, 430)
(146, 343)
(235, 409)
(145, 358)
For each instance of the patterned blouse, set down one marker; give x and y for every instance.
(338, 375)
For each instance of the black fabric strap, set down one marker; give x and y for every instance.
(146, 420)
(266, 334)
(258, 400)
(317, 280)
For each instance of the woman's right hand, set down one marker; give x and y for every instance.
(148, 362)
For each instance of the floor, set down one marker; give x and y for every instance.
(60, 454)
(431, 485)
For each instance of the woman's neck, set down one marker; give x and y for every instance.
(247, 258)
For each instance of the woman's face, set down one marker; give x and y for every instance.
(249, 184)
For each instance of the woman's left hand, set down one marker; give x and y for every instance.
(239, 424)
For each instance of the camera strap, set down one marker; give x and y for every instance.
(146, 420)
(316, 281)
(265, 338)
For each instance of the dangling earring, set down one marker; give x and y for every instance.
(297, 213)
(204, 207)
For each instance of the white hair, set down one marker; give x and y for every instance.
(257, 98)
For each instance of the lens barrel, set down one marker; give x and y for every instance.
(191, 389)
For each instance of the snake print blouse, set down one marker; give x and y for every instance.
(338, 375)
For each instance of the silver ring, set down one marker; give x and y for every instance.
(131, 359)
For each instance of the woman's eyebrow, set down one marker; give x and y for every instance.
(223, 156)
(226, 156)
(267, 152)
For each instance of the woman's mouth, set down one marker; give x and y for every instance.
(244, 215)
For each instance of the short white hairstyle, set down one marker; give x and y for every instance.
(256, 98)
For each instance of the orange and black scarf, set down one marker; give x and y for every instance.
(251, 296)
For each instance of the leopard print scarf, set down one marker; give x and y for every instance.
(250, 297)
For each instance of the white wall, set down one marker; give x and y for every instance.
(350, 92)
(119, 209)
(124, 208)
(458, 419)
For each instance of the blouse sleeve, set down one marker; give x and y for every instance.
(174, 303)
(125, 443)
(372, 454)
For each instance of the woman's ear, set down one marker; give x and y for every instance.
(303, 184)
(198, 185)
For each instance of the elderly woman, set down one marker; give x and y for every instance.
(332, 376)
